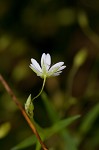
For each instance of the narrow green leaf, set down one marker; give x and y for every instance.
(25, 143)
(58, 126)
(53, 115)
(38, 146)
(89, 119)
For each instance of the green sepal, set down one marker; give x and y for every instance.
(29, 107)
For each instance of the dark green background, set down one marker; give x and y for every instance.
(29, 28)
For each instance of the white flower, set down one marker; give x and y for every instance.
(45, 70)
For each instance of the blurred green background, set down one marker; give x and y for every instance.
(69, 31)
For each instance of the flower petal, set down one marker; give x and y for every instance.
(44, 64)
(55, 67)
(43, 59)
(48, 61)
(36, 65)
(61, 68)
(35, 70)
(57, 73)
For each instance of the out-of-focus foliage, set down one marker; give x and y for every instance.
(69, 31)
(4, 129)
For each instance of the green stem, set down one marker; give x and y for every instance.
(41, 89)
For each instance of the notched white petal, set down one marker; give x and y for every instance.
(48, 59)
(36, 65)
(43, 59)
(47, 62)
(35, 70)
(56, 66)
(56, 74)
(61, 68)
